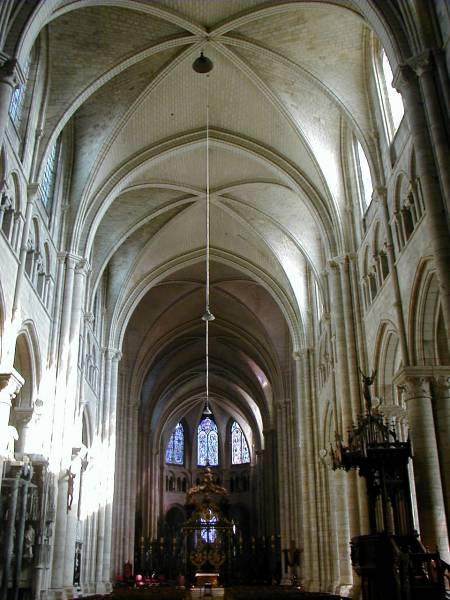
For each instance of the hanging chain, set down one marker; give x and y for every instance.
(207, 241)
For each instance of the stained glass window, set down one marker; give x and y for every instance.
(239, 447)
(175, 447)
(207, 443)
(209, 534)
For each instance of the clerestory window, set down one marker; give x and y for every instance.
(207, 443)
(364, 178)
(394, 99)
(175, 447)
(239, 448)
(18, 96)
(390, 101)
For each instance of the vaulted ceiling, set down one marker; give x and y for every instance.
(288, 80)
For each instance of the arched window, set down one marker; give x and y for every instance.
(49, 175)
(207, 443)
(364, 178)
(175, 447)
(319, 304)
(390, 101)
(209, 520)
(18, 96)
(239, 447)
(394, 99)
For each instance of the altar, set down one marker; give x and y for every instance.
(206, 578)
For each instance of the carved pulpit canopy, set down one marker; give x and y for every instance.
(202, 492)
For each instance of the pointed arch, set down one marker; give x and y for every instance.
(387, 361)
(428, 342)
(24, 364)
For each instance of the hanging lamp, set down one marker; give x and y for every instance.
(203, 65)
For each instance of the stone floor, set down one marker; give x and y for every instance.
(233, 593)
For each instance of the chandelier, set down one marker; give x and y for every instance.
(203, 65)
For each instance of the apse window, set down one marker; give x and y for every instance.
(364, 178)
(239, 448)
(207, 443)
(175, 447)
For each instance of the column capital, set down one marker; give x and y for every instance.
(33, 190)
(333, 263)
(441, 384)
(10, 385)
(71, 260)
(380, 193)
(337, 262)
(415, 382)
(300, 353)
(23, 414)
(111, 353)
(421, 372)
(11, 73)
(117, 356)
(421, 63)
(75, 261)
(404, 76)
(82, 267)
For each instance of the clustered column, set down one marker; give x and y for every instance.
(441, 388)
(65, 424)
(427, 474)
(348, 499)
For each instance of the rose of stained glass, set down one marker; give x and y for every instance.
(175, 447)
(207, 443)
(239, 448)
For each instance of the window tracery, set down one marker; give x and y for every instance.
(175, 446)
(207, 443)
